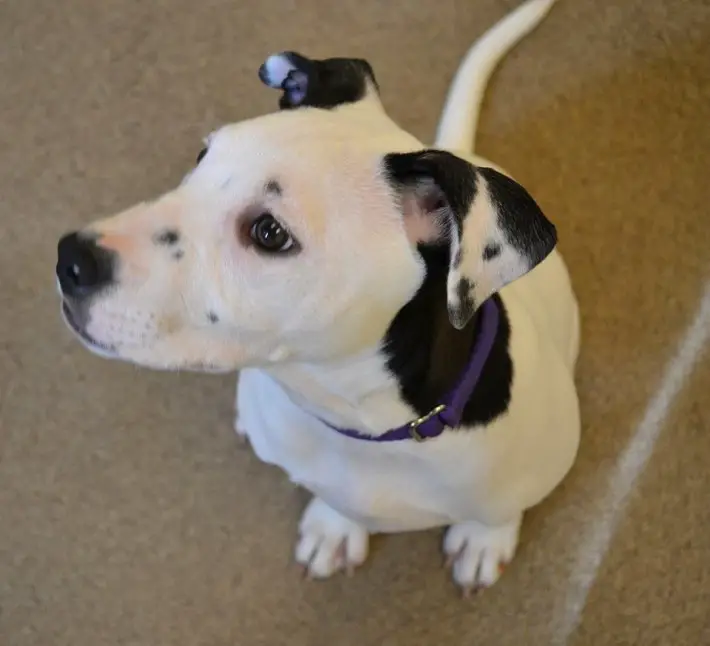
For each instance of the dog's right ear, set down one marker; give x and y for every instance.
(323, 84)
(494, 230)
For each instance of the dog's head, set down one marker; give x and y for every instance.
(296, 236)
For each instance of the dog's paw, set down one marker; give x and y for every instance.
(477, 554)
(329, 542)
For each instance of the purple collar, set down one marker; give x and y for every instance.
(447, 414)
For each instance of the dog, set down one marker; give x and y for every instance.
(403, 325)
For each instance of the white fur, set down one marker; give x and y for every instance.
(305, 329)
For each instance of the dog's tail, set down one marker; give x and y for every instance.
(457, 126)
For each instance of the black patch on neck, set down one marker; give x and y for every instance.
(427, 354)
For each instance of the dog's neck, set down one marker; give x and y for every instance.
(418, 362)
(357, 392)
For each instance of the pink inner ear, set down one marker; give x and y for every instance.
(420, 223)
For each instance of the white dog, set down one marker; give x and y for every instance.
(405, 329)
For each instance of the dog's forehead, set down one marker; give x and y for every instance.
(322, 179)
(308, 133)
(304, 151)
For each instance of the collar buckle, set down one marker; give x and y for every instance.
(414, 426)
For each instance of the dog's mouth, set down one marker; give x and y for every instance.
(74, 324)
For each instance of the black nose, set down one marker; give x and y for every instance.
(83, 267)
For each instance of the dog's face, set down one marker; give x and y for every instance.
(295, 237)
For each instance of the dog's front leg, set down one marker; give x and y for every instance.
(329, 542)
(478, 553)
(248, 416)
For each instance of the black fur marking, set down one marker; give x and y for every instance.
(323, 84)
(491, 251)
(523, 223)
(427, 355)
(212, 317)
(466, 308)
(168, 238)
(273, 188)
(177, 255)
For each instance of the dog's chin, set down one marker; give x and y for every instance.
(90, 343)
(204, 368)
(199, 367)
(161, 359)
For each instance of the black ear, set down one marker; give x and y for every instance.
(326, 83)
(495, 230)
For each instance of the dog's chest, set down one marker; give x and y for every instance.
(384, 487)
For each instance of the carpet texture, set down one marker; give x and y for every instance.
(128, 512)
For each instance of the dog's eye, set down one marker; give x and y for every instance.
(201, 155)
(269, 235)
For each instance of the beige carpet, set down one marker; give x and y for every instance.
(129, 515)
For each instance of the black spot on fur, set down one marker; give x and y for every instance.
(523, 223)
(427, 355)
(325, 84)
(177, 255)
(212, 317)
(274, 188)
(491, 250)
(168, 238)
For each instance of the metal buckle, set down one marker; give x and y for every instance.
(413, 426)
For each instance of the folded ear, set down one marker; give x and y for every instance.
(495, 231)
(325, 83)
